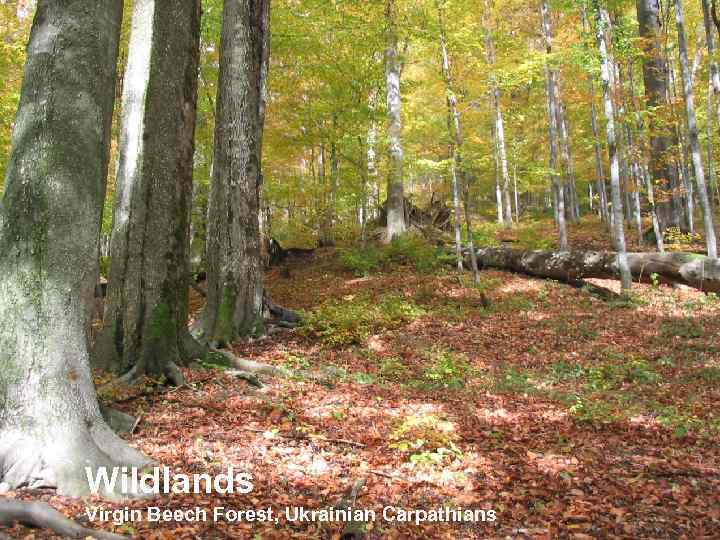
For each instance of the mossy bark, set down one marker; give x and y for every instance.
(145, 323)
(234, 265)
(51, 427)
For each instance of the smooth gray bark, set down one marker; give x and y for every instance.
(145, 323)
(395, 199)
(551, 77)
(235, 272)
(618, 231)
(459, 179)
(503, 188)
(662, 139)
(51, 427)
(693, 137)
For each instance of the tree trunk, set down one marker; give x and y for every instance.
(662, 140)
(503, 188)
(459, 179)
(617, 225)
(51, 428)
(693, 137)
(572, 205)
(145, 324)
(689, 269)
(714, 70)
(395, 199)
(599, 167)
(551, 81)
(235, 274)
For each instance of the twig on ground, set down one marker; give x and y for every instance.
(312, 436)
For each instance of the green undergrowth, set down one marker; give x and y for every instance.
(351, 320)
(616, 388)
(409, 250)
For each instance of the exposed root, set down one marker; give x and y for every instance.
(41, 515)
(250, 378)
(57, 456)
(174, 375)
(250, 366)
(281, 314)
(118, 420)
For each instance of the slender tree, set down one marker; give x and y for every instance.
(550, 83)
(459, 179)
(145, 323)
(499, 130)
(617, 208)
(693, 137)
(235, 273)
(395, 197)
(51, 428)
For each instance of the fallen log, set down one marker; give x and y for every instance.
(697, 271)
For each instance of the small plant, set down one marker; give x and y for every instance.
(592, 411)
(393, 368)
(680, 423)
(683, 328)
(352, 320)
(564, 371)
(513, 381)
(293, 361)
(608, 376)
(447, 369)
(413, 250)
(485, 234)
(361, 261)
(409, 249)
(425, 439)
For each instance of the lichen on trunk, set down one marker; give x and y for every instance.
(234, 306)
(50, 422)
(145, 323)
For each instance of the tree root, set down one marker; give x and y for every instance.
(41, 515)
(118, 420)
(250, 366)
(281, 314)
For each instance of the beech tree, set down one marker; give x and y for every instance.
(50, 422)
(395, 191)
(657, 95)
(693, 136)
(145, 323)
(234, 267)
(618, 231)
(551, 81)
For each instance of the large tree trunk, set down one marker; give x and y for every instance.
(50, 422)
(694, 140)
(395, 199)
(145, 323)
(235, 270)
(689, 269)
(551, 77)
(662, 140)
(618, 231)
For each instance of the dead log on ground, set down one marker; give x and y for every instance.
(697, 271)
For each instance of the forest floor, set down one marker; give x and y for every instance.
(569, 416)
